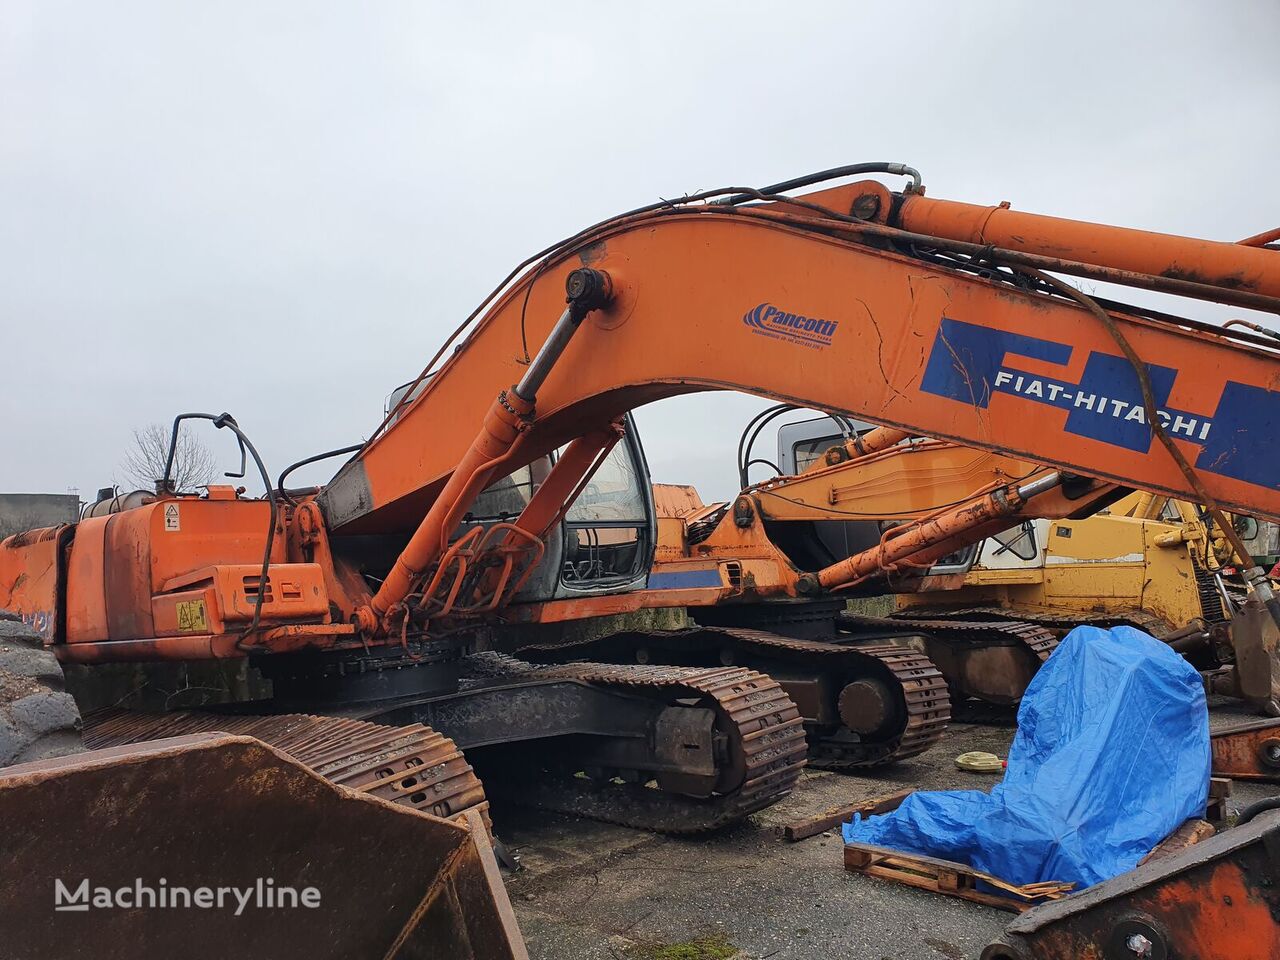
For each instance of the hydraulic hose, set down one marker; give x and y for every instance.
(164, 485)
(1262, 806)
(834, 173)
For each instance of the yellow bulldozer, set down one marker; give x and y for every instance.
(1155, 563)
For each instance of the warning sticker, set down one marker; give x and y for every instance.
(191, 616)
(172, 521)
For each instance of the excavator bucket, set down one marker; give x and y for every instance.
(1215, 900)
(1256, 640)
(216, 846)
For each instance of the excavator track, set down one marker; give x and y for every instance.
(1052, 621)
(412, 765)
(764, 729)
(925, 704)
(1038, 639)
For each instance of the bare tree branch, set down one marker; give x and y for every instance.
(194, 465)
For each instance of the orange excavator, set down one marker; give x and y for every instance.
(384, 596)
(860, 496)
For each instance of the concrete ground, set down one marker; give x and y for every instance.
(592, 891)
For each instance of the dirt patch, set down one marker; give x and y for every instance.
(714, 947)
(14, 686)
(949, 950)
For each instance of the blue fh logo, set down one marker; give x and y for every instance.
(770, 321)
(1238, 438)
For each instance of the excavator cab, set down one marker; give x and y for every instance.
(606, 539)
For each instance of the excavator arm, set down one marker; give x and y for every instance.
(943, 496)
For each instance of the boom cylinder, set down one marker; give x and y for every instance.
(586, 289)
(502, 426)
(1232, 265)
(1000, 503)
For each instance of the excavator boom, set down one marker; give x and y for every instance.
(799, 306)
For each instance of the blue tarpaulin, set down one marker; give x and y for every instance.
(1110, 757)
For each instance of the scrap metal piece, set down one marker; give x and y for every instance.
(1255, 636)
(1216, 900)
(213, 811)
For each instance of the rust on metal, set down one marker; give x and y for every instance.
(411, 765)
(1247, 751)
(1216, 900)
(211, 811)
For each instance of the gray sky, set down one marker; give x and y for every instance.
(236, 206)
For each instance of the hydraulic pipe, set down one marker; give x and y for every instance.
(999, 503)
(856, 447)
(557, 340)
(1233, 266)
(881, 438)
(1146, 507)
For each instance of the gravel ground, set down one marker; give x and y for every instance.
(591, 891)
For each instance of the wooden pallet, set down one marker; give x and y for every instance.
(946, 877)
(959, 880)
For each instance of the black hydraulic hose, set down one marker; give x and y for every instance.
(351, 448)
(759, 422)
(163, 486)
(834, 173)
(767, 463)
(751, 431)
(1262, 806)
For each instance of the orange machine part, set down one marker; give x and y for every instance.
(119, 562)
(30, 576)
(1229, 265)
(895, 482)
(1215, 900)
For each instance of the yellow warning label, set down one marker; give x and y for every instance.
(191, 617)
